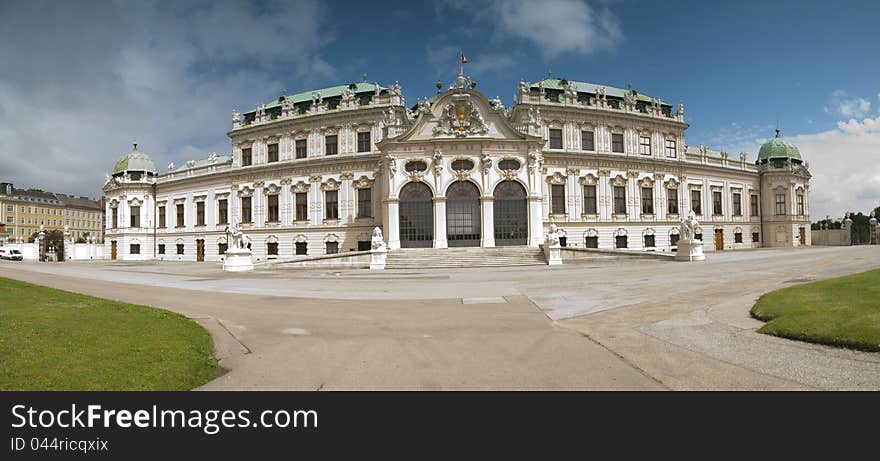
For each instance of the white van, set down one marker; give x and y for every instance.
(11, 254)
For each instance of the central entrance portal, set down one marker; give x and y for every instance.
(416, 216)
(463, 214)
(511, 214)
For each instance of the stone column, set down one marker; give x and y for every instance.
(285, 203)
(393, 230)
(488, 220)
(346, 200)
(440, 223)
(316, 201)
(536, 221)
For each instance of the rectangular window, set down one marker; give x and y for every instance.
(365, 203)
(246, 157)
(272, 248)
(302, 248)
(331, 248)
(222, 247)
(590, 200)
(737, 237)
(591, 242)
(364, 245)
(672, 201)
(555, 138)
(364, 144)
(780, 204)
(619, 200)
(200, 213)
(161, 248)
(273, 152)
(301, 147)
(331, 145)
(302, 206)
(272, 205)
(617, 143)
(673, 239)
(620, 241)
(179, 222)
(754, 205)
(800, 205)
(557, 199)
(644, 145)
(649, 241)
(647, 200)
(756, 237)
(222, 211)
(115, 218)
(332, 204)
(670, 148)
(135, 249)
(135, 216)
(716, 203)
(696, 201)
(180, 248)
(587, 141)
(245, 209)
(162, 217)
(737, 204)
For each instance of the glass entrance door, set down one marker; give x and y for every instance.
(416, 216)
(511, 214)
(463, 224)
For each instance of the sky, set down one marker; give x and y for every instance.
(80, 80)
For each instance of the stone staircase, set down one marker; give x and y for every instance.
(431, 258)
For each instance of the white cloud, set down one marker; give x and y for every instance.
(166, 73)
(841, 104)
(555, 27)
(845, 163)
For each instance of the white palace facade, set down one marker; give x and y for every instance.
(313, 173)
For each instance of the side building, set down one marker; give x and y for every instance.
(313, 173)
(23, 211)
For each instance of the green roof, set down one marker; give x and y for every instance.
(777, 148)
(333, 91)
(135, 161)
(583, 87)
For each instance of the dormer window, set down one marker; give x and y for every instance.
(508, 165)
(462, 165)
(416, 165)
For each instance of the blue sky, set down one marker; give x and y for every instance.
(170, 73)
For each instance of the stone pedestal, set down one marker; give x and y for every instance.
(377, 259)
(238, 260)
(553, 254)
(690, 250)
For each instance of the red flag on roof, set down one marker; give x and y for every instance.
(463, 59)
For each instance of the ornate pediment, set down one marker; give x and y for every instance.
(301, 187)
(461, 118)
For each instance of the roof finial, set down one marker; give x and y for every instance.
(549, 73)
(135, 142)
(777, 131)
(365, 77)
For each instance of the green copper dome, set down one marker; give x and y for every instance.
(776, 148)
(135, 161)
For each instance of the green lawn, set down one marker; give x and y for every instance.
(840, 312)
(57, 340)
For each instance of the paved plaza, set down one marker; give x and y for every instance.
(625, 324)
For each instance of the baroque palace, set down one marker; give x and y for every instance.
(315, 172)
